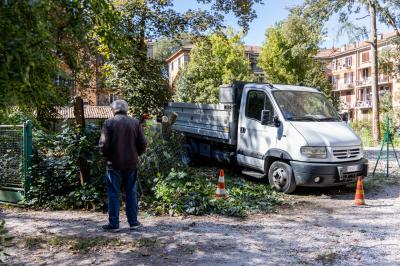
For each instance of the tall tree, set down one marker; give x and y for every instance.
(387, 11)
(287, 55)
(153, 19)
(45, 41)
(215, 60)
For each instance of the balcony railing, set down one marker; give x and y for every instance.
(367, 81)
(363, 104)
(364, 82)
(383, 79)
(343, 87)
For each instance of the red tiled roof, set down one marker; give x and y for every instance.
(328, 53)
(91, 112)
(252, 49)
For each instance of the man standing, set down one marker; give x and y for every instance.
(122, 142)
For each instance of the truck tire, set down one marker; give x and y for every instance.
(281, 178)
(187, 156)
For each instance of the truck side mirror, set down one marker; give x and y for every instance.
(265, 117)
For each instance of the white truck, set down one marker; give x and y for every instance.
(290, 134)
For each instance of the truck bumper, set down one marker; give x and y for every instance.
(328, 174)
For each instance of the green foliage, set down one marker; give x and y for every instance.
(141, 83)
(191, 191)
(290, 45)
(43, 40)
(166, 187)
(363, 128)
(287, 55)
(215, 60)
(56, 181)
(5, 241)
(160, 157)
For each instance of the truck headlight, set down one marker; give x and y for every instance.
(313, 152)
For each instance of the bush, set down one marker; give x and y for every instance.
(192, 190)
(166, 187)
(56, 177)
(363, 128)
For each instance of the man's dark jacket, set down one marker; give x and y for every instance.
(122, 141)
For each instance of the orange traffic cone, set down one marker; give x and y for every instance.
(359, 199)
(221, 193)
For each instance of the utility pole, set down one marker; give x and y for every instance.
(374, 74)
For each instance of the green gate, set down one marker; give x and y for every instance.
(15, 161)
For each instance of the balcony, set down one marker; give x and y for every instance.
(367, 81)
(364, 82)
(344, 106)
(343, 87)
(383, 80)
(363, 104)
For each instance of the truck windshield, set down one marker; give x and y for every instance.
(305, 106)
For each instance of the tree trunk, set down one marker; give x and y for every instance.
(374, 74)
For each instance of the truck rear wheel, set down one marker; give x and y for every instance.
(281, 178)
(187, 156)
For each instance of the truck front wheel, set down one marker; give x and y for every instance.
(281, 178)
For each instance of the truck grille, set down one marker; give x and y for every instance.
(346, 153)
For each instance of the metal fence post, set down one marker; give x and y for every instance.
(27, 168)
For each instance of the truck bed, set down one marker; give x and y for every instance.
(217, 122)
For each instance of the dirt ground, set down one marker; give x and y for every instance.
(321, 227)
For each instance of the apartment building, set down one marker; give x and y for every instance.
(348, 68)
(181, 58)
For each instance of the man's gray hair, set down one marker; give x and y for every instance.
(119, 106)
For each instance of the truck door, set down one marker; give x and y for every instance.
(255, 139)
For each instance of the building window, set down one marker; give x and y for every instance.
(365, 73)
(348, 61)
(348, 78)
(112, 97)
(334, 65)
(335, 79)
(172, 66)
(365, 57)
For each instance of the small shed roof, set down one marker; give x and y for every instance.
(91, 112)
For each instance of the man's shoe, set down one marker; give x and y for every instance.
(135, 226)
(110, 228)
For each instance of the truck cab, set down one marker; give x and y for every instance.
(290, 134)
(294, 135)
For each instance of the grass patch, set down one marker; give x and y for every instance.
(5, 241)
(81, 244)
(78, 244)
(147, 242)
(34, 242)
(327, 257)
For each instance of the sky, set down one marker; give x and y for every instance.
(273, 11)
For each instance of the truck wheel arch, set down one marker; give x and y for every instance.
(273, 155)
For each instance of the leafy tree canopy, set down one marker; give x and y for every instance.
(215, 60)
(48, 48)
(287, 55)
(41, 41)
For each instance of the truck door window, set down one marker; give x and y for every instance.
(268, 106)
(256, 102)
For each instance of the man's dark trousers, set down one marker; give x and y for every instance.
(129, 178)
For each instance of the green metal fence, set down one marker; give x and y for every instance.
(15, 161)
